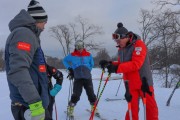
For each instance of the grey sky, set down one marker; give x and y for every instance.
(105, 13)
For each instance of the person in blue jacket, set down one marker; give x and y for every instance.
(80, 63)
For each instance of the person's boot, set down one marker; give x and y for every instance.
(70, 109)
(92, 108)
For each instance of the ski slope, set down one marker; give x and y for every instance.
(110, 110)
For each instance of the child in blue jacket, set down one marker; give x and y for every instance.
(80, 63)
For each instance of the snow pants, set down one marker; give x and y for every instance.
(50, 106)
(51, 99)
(77, 90)
(18, 112)
(151, 106)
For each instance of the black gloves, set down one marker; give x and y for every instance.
(145, 86)
(71, 74)
(127, 95)
(59, 77)
(103, 63)
(112, 68)
(52, 71)
(108, 64)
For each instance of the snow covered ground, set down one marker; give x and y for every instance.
(109, 110)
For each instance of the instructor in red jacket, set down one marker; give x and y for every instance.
(133, 62)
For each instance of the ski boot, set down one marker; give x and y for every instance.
(96, 111)
(70, 109)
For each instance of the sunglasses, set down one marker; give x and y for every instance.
(118, 36)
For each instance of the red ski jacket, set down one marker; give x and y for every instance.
(133, 62)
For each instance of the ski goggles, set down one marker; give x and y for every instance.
(116, 36)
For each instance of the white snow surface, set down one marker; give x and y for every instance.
(109, 110)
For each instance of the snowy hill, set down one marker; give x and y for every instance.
(109, 110)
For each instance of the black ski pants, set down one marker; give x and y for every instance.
(18, 112)
(50, 106)
(78, 87)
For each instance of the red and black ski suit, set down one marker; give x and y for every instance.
(133, 62)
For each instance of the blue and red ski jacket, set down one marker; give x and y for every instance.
(81, 63)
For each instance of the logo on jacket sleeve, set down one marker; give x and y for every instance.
(41, 60)
(138, 50)
(24, 46)
(42, 68)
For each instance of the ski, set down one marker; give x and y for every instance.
(96, 115)
(112, 78)
(69, 117)
(169, 99)
(114, 99)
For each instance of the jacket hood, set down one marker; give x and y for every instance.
(21, 20)
(137, 36)
(133, 38)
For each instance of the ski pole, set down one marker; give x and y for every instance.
(169, 99)
(128, 97)
(97, 101)
(144, 104)
(100, 82)
(55, 109)
(144, 96)
(70, 93)
(145, 89)
(51, 87)
(118, 87)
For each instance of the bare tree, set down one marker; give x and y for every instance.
(64, 36)
(166, 28)
(102, 54)
(147, 21)
(88, 31)
(163, 3)
(160, 29)
(80, 29)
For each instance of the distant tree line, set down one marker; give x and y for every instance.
(57, 62)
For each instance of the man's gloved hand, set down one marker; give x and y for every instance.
(59, 77)
(112, 68)
(128, 97)
(55, 90)
(52, 71)
(103, 63)
(145, 86)
(71, 74)
(35, 112)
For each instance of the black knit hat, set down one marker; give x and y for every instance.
(37, 11)
(121, 30)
